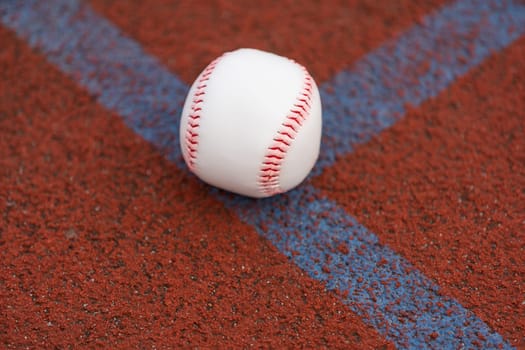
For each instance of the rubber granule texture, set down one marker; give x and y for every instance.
(414, 218)
(329, 35)
(105, 243)
(445, 187)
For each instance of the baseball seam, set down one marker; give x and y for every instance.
(193, 124)
(270, 170)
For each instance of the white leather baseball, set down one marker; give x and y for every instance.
(251, 123)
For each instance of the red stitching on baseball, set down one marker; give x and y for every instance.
(193, 124)
(297, 120)
(274, 156)
(271, 166)
(289, 125)
(277, 148)
(288, 133)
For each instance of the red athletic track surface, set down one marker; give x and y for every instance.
(85, 254)
(99, 190)
(223, 280)
(445, 188)
(186, 35)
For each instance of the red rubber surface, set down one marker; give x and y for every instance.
(445, 187)
(329, 35)
(119, 275)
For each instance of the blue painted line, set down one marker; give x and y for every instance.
(389, 293)
(412, 68)
(384, 288)
(105, 62)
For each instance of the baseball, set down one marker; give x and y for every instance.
(251, 123)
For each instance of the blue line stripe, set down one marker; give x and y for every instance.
(389, 293)
(301, 224)
(367, 98)
(105, 62)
